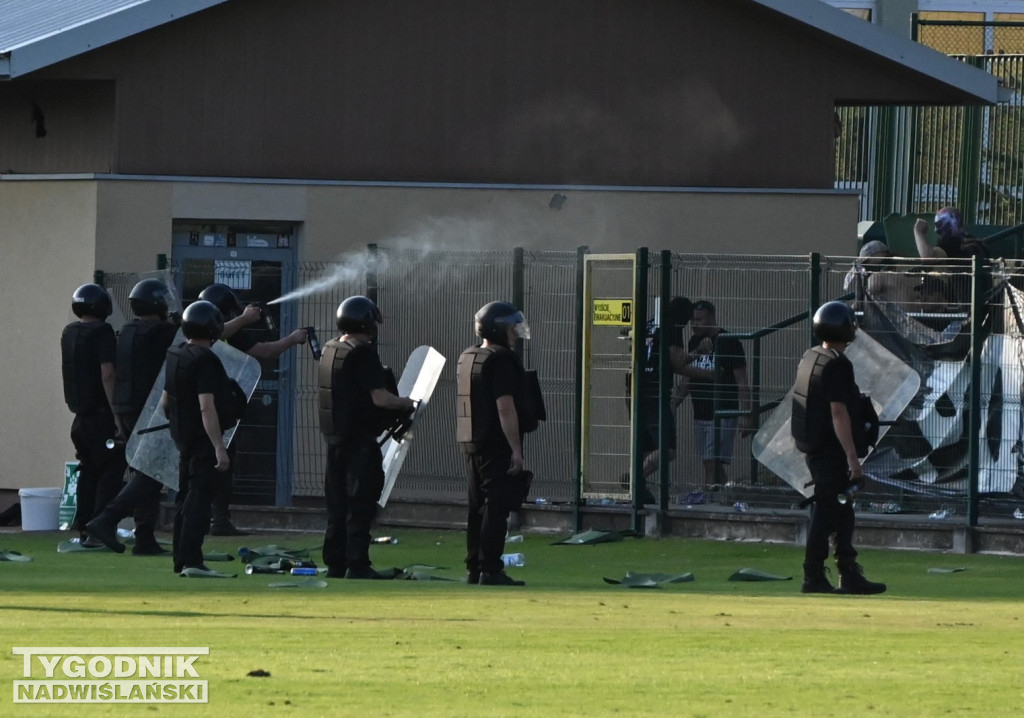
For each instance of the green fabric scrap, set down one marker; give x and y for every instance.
(217, 556)
(589, 538)
(14, 557)
(753, 574)
(75, 547)
(308, 583)
(947, 570)
(650, 580)
(193, 572)
(424, 576)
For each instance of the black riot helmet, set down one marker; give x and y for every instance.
(358, 315)
(494, 319)
(202, 320)
(222, 297)
(149, 297)
(835, 322)
(91, 300)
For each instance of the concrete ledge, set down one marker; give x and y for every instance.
(785, 526)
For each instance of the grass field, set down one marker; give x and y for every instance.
(567, 644)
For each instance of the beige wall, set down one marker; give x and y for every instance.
(47, 230)
(50, 229)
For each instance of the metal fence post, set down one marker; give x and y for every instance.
(372, 284)
(974, 400)
(638, 387)
(518, 297)
(665, 381)
(814, 300)
(577, 518)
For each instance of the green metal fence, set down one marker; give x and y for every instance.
(957, 449)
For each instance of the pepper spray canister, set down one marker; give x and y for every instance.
(314, 342)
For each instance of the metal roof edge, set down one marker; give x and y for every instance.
(903, 51)
(49, 49)
(399, 184)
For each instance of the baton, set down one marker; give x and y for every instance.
(151, 429)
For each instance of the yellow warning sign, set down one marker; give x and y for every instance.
(613, 312)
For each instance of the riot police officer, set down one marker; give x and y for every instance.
(141, 349)
(497, 404)
(236, 321)
(195, 387)
(358, 401)
(88, 356)
(828, 426)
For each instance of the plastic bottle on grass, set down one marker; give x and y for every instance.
(513, 559)
(518, 538)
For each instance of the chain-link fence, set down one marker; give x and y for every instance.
(954, 421)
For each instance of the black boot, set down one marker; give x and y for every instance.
(852, 581)
(147, 545)
(815, 580)
(499, 579)
(104, 533)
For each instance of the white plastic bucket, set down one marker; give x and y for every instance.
(40, 509)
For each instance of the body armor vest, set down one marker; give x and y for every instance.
(183, 414)
(811, 413)
(80, 366)
(476, 417)
(337, 409)
(141, 350)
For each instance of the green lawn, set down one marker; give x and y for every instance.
(567, 644)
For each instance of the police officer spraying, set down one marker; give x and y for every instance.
(828, 425)
(88, 356)
(358, 401)
(195, 394)
(496, 406)
(141, 349)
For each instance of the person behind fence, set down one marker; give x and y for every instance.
(142, 346)
(716, 369)
(236, 323)
(195, 401)
(828, 426)
(955, 243)
(669, 338)
(88, 357)
(358, 402)
(498, 403)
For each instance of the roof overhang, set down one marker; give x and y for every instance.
(982, 86)
(61, 34)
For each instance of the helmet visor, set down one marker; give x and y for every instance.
(518, 323)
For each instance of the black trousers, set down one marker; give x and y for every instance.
(100, 470)
(493, 494)
(197, 479)
(353, 483)
(224, 489)
(140, 496)
(828, 516)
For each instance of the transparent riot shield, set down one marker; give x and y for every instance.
(889, 382)
(422, 370)
(150, 449)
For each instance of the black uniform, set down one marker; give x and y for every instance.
(84, 347)
(242, 340)
(192, 370)
(141, 350)
(350, 371)
(484, 375)
(826, 376)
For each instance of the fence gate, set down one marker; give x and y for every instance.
(608, 353)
